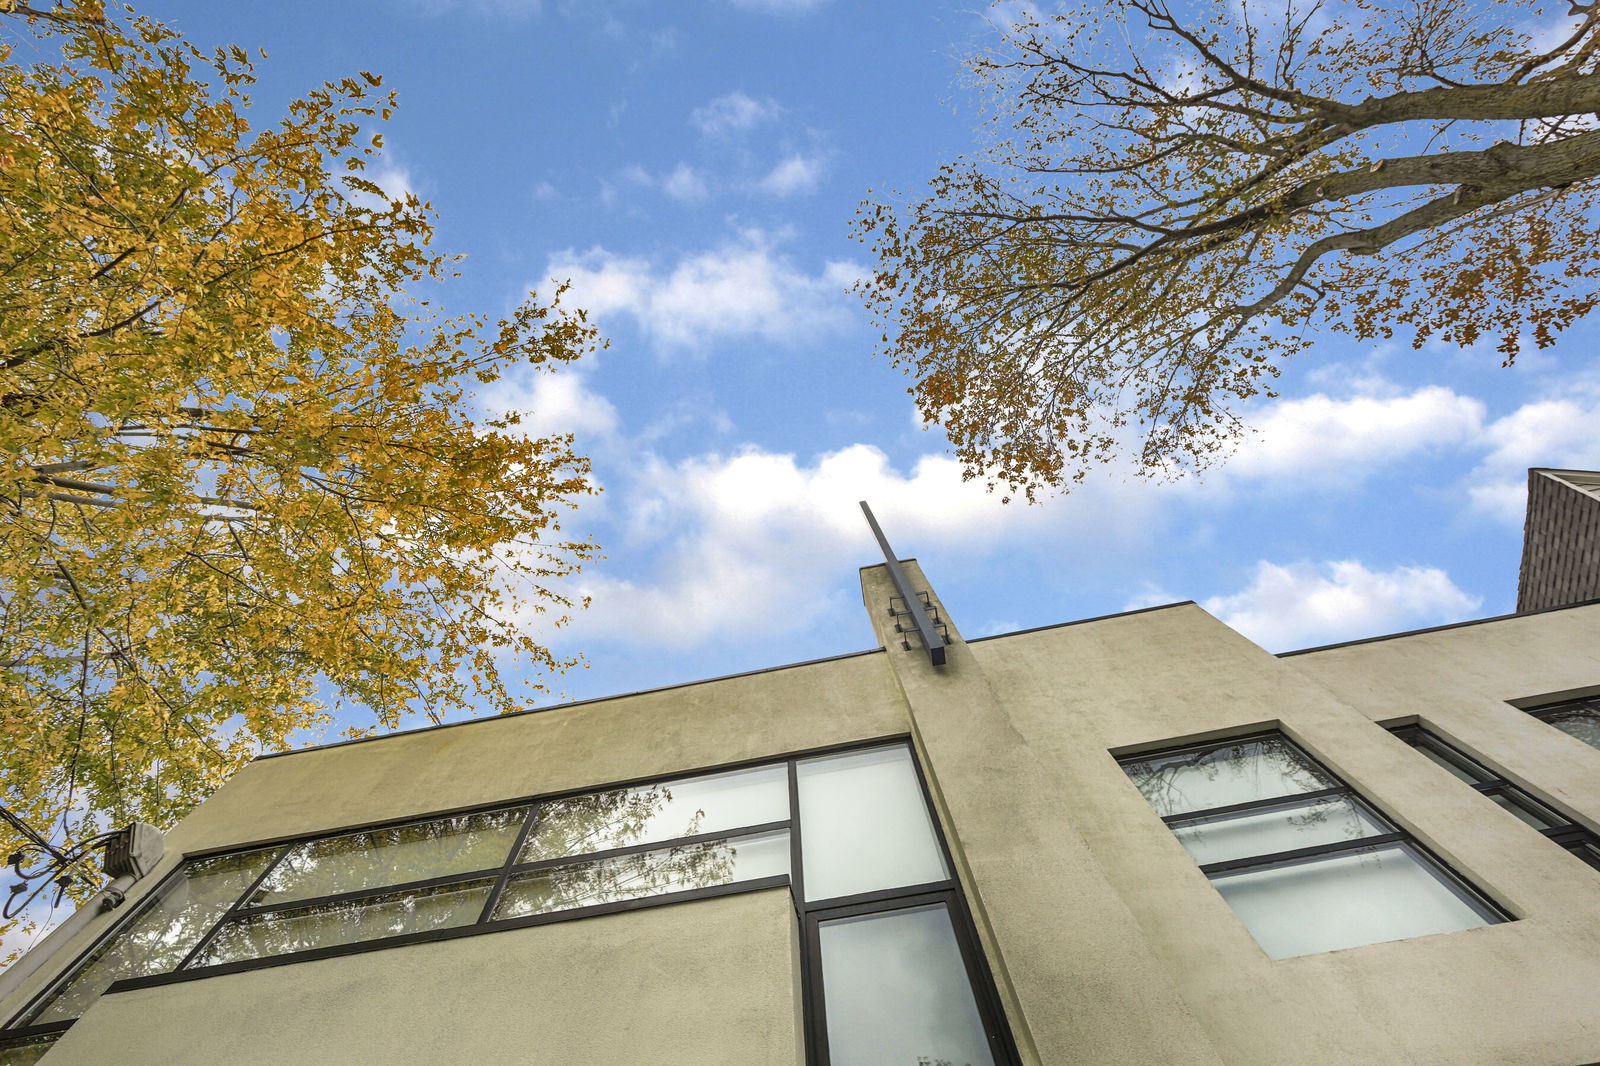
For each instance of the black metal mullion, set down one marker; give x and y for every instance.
(134, 913)
(1275, 857)
(528, 825)
(458, 932)
(1250, 805)
(796, 853)
(227, 915)
(375, 892)
(654, 845)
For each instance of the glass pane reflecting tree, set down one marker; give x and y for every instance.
(159, 937)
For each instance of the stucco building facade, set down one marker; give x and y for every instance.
(1124, 840)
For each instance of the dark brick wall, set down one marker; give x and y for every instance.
(1560, 546)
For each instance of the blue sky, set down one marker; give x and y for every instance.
(692, 167)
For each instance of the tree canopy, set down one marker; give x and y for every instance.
(1168, 196)
(243, 484)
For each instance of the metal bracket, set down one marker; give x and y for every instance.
(924, 616)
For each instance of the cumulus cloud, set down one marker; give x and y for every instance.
(1345, 438)
(779, 7)
(794, 175)
(1556, 432)
(732, 113)
(684, 183)
(550, 403)
(1305, 604)
(747, 530)
(742, 288)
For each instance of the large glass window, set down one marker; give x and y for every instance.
(1576, 718)
(1305, 863)
(893, 969)
(896, 990)
(867, 826)
(1512, 798)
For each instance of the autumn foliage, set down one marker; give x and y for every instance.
(241, 483)
(1171, 194)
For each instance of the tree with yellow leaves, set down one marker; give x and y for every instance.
(242, 486)
(1173, 190)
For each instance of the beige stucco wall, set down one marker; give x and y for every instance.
(1108, 944)
(1516, 993)
(681, 985)
(644, 735)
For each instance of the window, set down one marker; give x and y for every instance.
(1537, 813)
(1576, 718)
(895, 975)
(850, 831)
(1305, 863)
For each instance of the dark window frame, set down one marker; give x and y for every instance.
(947, 891)
(1472, 895)
(1545, 711)
(1567, 833)
(985, 993)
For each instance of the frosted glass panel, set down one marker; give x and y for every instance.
(1200, 778)
(646, 873)
(864, 825)
(159, 938)
(371, 918)
(457, 845)
(625, 816)
(896, 993)
(1281, 827)
(1358, 897)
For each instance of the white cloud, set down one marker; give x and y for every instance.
(684, 183)
(795, 174)
(1343, 439)
(739, 533)
(734, 112)
(1557, 433)
(1305, 604)
(741, 288)
(549, 403)
(779, 7)
(515, 9)
(724, 537)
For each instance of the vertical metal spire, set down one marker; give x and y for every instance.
(914, 606)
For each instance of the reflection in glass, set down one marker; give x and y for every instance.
(1526, 809)
(158, 939)
(1587, 852)
(1350, 898)
(375, 858)
(1221, 775)
(1280, 827)
(864, 824)
(1580, 722)
(1470, 773)
(26, 1052)
(646, 873)
(895, 991)
(622, 817)
(371, 918)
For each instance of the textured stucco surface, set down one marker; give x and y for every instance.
(1517, 993)
(649, 734)
(688, 984)
(1108, 944)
